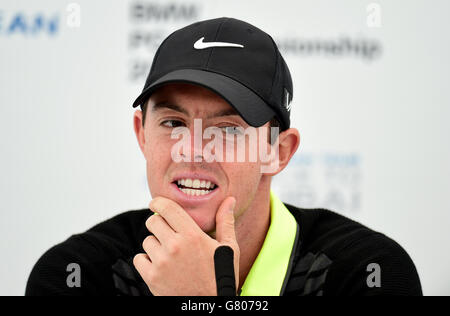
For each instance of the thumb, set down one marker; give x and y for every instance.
(225, 233)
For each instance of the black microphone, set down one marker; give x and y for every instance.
(224, 267)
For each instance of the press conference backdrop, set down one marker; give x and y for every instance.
(371, 101)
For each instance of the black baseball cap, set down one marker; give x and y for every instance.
(234, 59)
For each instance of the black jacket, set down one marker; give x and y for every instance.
(333, 256)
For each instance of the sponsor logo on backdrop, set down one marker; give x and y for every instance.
(33, 24)
(150, 23)
(363, 48)
(330, 180)
(142, 11)
(21, 23)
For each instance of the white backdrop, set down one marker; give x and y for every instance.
(371, 101)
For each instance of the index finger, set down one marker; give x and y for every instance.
(173, 214)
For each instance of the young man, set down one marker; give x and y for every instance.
(213, 226)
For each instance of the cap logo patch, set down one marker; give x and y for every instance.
(286, 102)
(203, 45)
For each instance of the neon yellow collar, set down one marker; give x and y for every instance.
(267, 275)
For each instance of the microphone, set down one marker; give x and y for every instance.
(224, 268)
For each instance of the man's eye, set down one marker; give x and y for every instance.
(233, 130)
(172, 123)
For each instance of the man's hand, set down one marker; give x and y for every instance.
(179, 258)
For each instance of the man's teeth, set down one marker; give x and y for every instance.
(196, 187)
(195, 192)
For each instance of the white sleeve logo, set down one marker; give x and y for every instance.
(286, 100)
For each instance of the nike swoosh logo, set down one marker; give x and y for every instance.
(202, 45)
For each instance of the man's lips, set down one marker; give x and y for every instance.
(189, 196)
(194, 186)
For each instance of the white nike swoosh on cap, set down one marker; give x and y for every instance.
(202, 45)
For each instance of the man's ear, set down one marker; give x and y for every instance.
(139, 129)
(288, 143)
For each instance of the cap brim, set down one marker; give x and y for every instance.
(248, 104)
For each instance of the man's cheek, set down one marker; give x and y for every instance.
(156, 167)
(244, 183)
(157, 154)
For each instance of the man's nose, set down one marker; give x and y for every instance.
(197, 145)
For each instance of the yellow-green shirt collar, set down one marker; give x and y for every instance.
(268, 273)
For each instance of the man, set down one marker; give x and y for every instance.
(214, 226)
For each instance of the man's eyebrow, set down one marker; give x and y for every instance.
(226, 112)
(168, 105)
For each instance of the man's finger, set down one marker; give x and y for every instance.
(143, 265)
(173, 214)
(151, 246)
(225, 232)
(157, 225)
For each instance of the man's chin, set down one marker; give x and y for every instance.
(206, 222)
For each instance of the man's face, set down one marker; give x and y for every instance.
(177, 105)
